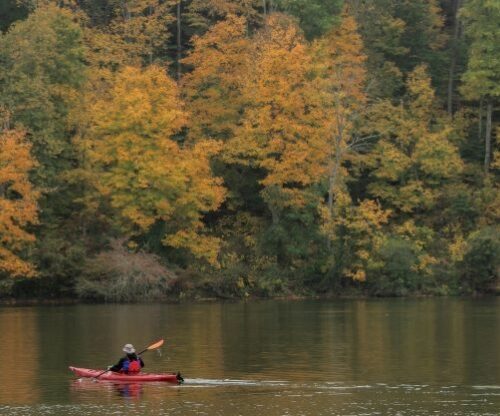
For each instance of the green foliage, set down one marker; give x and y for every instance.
(11, 11)
(482, 78)
(315, 17)
(41, 76)
(398, 276)
(42, 71)
(399, 35)
(481, 263)
(60, 260)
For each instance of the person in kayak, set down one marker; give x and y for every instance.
(130, 364)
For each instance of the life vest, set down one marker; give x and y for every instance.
(131, 366)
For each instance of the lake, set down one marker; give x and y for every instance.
(338, 357)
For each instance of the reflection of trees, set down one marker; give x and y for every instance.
(351, 341)
(283, 340)
(436, 341)
(200, 344)
(429, 340)
(19, 352)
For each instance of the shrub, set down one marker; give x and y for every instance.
(122, 276)
(396, 275)
(481, 263)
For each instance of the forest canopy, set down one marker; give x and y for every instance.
(156, 149)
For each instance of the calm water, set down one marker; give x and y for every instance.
(356, 357)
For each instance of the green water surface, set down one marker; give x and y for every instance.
(342, 357)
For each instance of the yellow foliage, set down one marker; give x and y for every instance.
(358, 275)
(280, 130)
(141, 27)
(415, 154)
(425, 261)
(138, 167)
(420, 236)
(365, 235)
(278, 104)
(458, 248)
(432, 150)
(18, 202)
(213, 90)
(339, 65)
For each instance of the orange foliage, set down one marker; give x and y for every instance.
(279, 129)
(213, 90)
(340, 67)
(18, 202)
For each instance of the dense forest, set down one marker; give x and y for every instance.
(176, 149)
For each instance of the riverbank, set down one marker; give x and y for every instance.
(21, 302)
(179, 286)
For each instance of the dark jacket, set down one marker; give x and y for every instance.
(119, 365)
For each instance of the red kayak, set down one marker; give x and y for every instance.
(112, 376)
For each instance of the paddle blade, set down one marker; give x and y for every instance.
(157, 344)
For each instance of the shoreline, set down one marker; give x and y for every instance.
(18, 302)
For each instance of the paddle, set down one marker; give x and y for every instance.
(154, 346)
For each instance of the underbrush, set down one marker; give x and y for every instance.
(119, 275)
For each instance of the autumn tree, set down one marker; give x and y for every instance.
(351, 227)
(407, 160)
(142, 27)
(407, 169)
(341, 80)
(279, 131)
(18, 203)
(359, 234)
(219, 62)
(42, 71)
(41, 76)
(279, 134)
(141, 172)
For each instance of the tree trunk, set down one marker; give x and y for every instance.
(487, 145)
(332, 182)
(125, 11)
(264, 4)
(150, 11)
(480, 124)
(454, 51)
(179, 42)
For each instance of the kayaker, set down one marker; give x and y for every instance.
(130, 364)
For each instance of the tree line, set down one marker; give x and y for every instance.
(154, 149)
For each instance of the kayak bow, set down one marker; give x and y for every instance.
(112, 376)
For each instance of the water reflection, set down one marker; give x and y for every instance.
(19, 355)
(262, 357)
(91, 387)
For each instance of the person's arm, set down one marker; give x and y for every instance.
(142, 362)
(118, 366)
